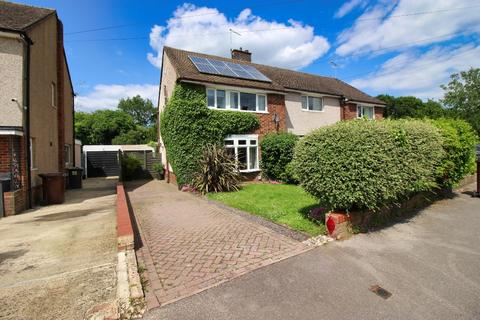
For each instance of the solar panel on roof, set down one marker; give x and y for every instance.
(228, 69)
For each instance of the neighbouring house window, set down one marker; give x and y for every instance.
(67, 154)
(54, 94)
(33, 153)
(234, 100)
(366, 112)
(245, 150)
(312, 103)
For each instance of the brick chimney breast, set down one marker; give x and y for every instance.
(243, 55)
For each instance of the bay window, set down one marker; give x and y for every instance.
(234, 100)
(245, 150)
(366, 112)
(312, 103)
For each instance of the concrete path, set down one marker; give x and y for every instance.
(190, 244)
(58, 262)
(430, 265)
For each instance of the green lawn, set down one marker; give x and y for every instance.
(284, 204)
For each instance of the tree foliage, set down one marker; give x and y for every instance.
(141, 110)
(411, 107)
(101, 126)
(462, 95)
(187, 125)
(365, 164)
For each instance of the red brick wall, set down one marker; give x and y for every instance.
(379, 113)
(5, 156)
(275, 105)
(349, 111)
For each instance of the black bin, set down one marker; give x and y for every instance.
(74, 178)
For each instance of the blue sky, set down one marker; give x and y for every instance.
(403, 47)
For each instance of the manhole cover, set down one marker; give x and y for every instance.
(379, 291)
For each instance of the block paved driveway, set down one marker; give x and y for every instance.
(191, 244)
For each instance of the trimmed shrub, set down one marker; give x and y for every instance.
(187, 125)
(218, 171)
(361, 164)
(277, 153)
(459, 141)
(131, 165)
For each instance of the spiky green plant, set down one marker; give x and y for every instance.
(218, 171)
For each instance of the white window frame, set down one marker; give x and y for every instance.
(235, 138)
(68, 160)
(308, 97)
(54, 94)
(361, 111)
(33, 153)
(239, 92)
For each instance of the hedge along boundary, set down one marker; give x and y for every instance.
(187, 125)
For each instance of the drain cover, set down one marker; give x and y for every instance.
(379, 291)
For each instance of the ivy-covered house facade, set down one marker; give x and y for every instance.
(282, 100)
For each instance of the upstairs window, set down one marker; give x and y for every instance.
(234, 100)
(54, 94)
(366, 112)
(312, 103)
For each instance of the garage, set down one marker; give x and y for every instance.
(101, 160)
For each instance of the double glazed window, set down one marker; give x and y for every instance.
(366, 112)
(245, 150)
(312, 103)
(234, 100)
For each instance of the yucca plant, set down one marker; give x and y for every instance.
(218, 171)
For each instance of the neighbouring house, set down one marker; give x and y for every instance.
(283, 100)
(36, 103)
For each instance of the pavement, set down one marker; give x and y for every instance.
(190, 244)
(58, 262)
(430, 264)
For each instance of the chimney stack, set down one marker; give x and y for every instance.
(243, 55)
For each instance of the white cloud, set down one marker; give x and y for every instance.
(201, 29)
(390, 23)
(348, 6)
(420, 74)
(107, 96)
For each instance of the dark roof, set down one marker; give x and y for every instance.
(19, 17)
(282, 79)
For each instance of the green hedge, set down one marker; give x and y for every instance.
(365, 164)
(277, 153)
(187, 125)
(459, 140)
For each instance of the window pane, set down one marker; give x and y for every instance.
(221, 99)
(231, 152)
(316, 103)
(242, 142)
(248, 101)
(210, 97)
(359, 112)
(253, 142)
(368, 112)
(261, 103)
(234, 100)
(253, 158)
(242, 158)
(304, 103)
(228, 142)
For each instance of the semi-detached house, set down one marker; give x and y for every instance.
(283, 100)
(36, 103)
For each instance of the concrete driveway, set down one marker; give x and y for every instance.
(430, 265)
(58, 262)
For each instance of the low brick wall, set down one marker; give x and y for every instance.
(125, 237)
(14, 202)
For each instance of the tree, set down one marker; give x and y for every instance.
(141, 110)
(101, 126)
(411, 107)
(462, 96)
(139, 135)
